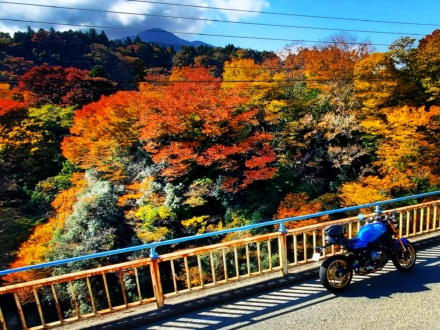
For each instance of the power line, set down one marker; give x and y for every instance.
(181, 82)
(187, 33)
(286, 14)
(289, 68)
(215, 20)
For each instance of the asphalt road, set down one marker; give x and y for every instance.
(388, 299)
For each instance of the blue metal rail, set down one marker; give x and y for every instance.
(154, 245)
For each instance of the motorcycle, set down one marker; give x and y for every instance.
(374, 245)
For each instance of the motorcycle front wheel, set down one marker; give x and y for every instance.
(405, 260)
(335, 273)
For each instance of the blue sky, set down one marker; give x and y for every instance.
(257, 24)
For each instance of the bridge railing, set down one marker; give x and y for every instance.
(60, 300)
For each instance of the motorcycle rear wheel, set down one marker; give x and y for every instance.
(405, 260)
(335, 273)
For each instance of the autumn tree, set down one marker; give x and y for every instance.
(104, 135)
(406, 156)
(376, 81)
(88, 221)
(250, 79)
(151, 207)
(30, 159)
(60, 86)
(94, 224)
(330, 68)
(206, 143)
(35, 248)
(313, 116)
(205, 126)
(296, 204)
(31, 142)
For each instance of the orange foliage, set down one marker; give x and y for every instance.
(35, 249)
(330, 68)
(205, 126)
(135, 191)
(4, 90)
(181, 124)
(7, 106)
(102, 132)
(296, 204)
(183, 107)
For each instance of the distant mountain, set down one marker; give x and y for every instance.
(164, 38)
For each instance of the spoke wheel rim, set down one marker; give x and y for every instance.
(333, 274)
(406, 258)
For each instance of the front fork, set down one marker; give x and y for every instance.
(396, 234)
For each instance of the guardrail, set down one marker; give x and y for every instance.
(64, 299)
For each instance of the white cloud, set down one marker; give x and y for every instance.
(122, 7)
(241, 9)
(116, 14)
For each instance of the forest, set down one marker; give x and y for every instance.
(108, 144)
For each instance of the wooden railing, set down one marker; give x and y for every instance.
(60, 300)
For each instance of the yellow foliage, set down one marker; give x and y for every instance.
(373, 126)
(244, 74)
(405, 146)
(407, 154)
(194, 201)
(375, 80)
(149, 213)
(273, 111)
(148, 218)
(152, 234)
(196, 222)
(198, 190)
(355, 193)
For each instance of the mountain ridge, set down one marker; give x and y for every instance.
(164, 38)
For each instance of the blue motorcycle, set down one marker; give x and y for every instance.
(368, 252)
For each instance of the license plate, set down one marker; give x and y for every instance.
(316, 256)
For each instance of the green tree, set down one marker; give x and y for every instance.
(428, 64)
(98, 71)
(410, 91)
(95, 224)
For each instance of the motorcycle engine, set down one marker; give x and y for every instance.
(380, 257)
(373, 261)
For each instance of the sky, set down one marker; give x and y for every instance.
(271, 25)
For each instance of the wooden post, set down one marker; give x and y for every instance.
(155, 278)
(2, 320)
(282, 248)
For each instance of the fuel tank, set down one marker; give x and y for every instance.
(371, 232)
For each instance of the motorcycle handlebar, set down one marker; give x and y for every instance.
(387, 217)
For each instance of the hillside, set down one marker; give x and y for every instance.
(124, 62)
(165, 39)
